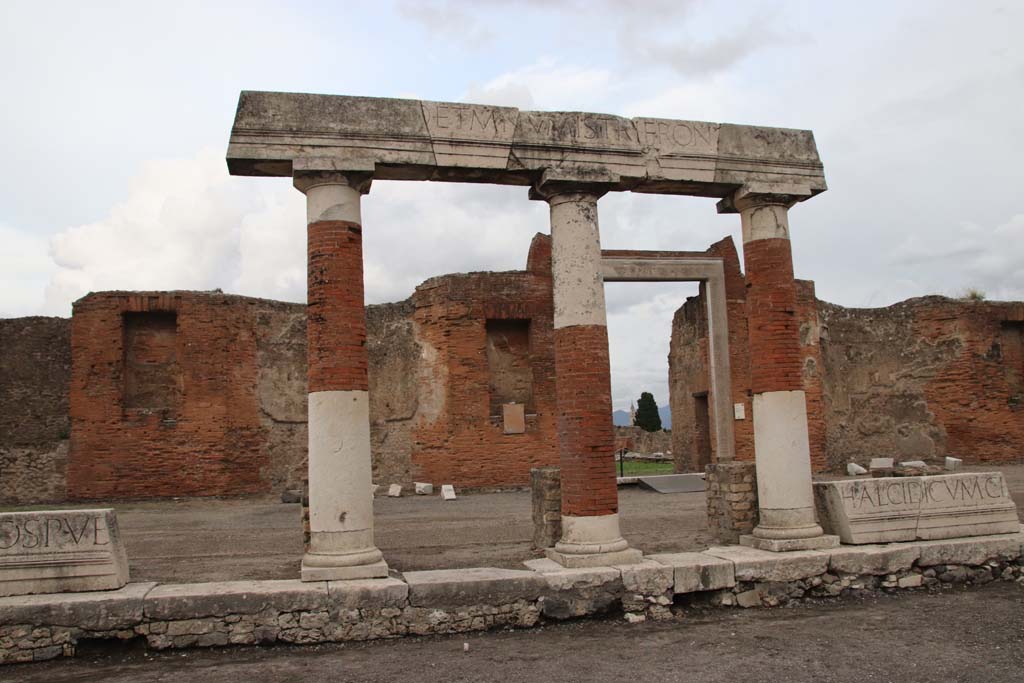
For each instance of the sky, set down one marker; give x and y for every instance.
(117, 117)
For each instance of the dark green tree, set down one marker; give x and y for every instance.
(647, 417)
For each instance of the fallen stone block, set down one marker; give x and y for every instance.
(751, 564)
(694, 572)
(476, 586)
(395, 490)
(913, 463)
(853, 469)
(94, 611)
(196, 600)
(448, 492)
(881, 467)
(290, 496)
(423, 489)
(916, 508)
(61, 551)
(953, 464)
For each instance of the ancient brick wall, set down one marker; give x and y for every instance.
(921, 379)
(35, 368)
(458, 433)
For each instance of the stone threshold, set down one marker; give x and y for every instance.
(40, 627)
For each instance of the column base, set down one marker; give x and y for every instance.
(377, 570)
(573, 561)
(782, 545)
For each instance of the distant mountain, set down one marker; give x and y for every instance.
(620, 418)
(666, 417)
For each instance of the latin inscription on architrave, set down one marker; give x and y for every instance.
(52, 532)
(911, 508)
(58, 551)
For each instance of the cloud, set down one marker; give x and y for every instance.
(184, 224)
(25, 268)
(545, 84)
(448, 21)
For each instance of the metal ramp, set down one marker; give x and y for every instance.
(673, 483)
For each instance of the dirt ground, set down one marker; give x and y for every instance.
(967, 636)
(193, 540)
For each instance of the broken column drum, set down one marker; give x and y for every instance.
(333, 145)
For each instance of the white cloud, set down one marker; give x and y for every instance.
(25, 267)
(546, 84)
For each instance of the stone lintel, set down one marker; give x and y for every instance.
(460, 142)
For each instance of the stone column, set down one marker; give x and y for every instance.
(586, 439)
(340, 496)
(781, 444)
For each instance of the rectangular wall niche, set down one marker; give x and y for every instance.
(1011, 344)
(152, 376)
(509, 372)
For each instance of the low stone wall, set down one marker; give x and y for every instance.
(40, 627)
(731, 491)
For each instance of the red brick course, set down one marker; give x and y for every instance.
(336, 318)
(771, 307)
(585, 434)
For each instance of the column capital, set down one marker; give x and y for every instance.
(557, 186)
(311, 172)
(753, 195)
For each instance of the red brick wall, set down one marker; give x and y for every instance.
(456, 438)
(209, 442)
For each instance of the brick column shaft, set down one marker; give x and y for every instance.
(340, 476)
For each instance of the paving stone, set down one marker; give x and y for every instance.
(751, 564)
(367, 593)
(476, 586)
(975, 550)
(698, 571)
(94, 611)
(874, 559)
(565, 578)
(646, 577)
(194, 600)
